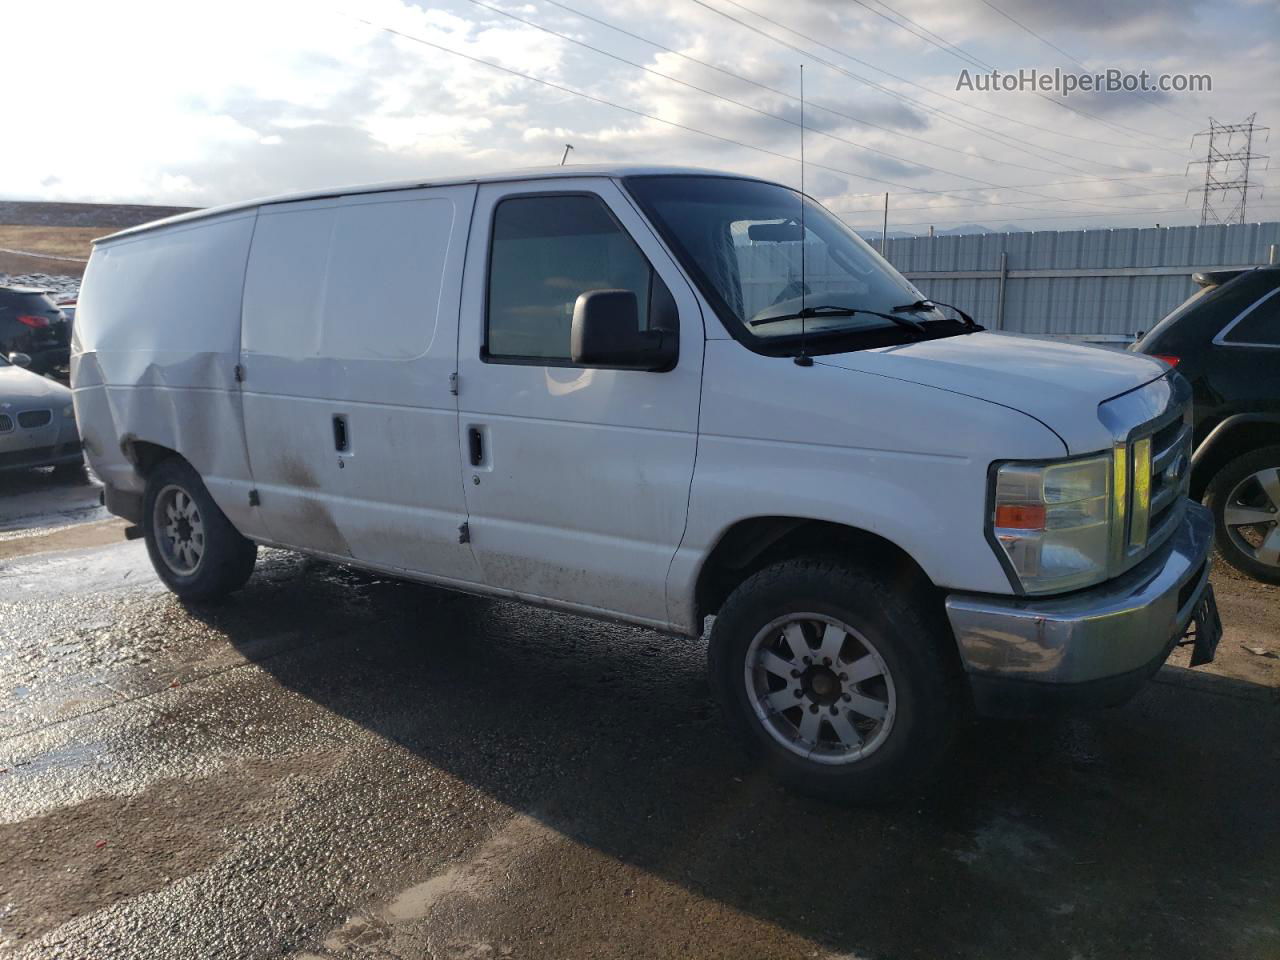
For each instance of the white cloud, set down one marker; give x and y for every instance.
(173, 101)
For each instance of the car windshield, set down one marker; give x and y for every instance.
(741, 242)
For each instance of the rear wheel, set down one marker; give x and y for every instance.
(843, 686)
(1245, 499)
(193, 546)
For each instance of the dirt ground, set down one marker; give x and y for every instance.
(338, 765)
(58, 241)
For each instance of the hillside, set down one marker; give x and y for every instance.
(63, 232)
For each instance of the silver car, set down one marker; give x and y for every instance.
(37, 422)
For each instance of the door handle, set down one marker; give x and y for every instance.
(341, 442)
(476, 441)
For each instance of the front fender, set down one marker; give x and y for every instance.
(901, 460)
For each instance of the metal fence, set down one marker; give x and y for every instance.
(1091, 284)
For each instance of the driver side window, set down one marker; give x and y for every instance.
(546, 251)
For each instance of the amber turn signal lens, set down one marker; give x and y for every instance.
(1020, 516)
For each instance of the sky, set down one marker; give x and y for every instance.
(174, 102)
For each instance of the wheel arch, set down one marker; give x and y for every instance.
(750, 544)
(1233, 436)
(145, 455)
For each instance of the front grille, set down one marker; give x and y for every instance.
(30, 419)
(1151, 459)
(1170, 471)
(6, 423)
(1160, 462)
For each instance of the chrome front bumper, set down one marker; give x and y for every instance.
(1095, 645)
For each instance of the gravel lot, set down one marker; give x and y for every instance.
(63, 288)
(337, 765)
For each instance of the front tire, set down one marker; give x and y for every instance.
(1245, 499)
(193, 546)
(843, 685)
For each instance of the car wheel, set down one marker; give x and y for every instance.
(1245, 499)
(843, 685)
(193, 546)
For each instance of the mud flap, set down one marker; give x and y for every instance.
(1205, 629)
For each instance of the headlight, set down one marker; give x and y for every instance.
(1053, 522)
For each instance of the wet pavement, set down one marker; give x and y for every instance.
(332, 764)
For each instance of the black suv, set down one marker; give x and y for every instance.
(31, 323)
(1226, 341)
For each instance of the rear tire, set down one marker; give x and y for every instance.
(881, 672)
(1248, 488)
(193, 546)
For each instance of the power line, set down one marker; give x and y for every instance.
(968, 125)
(639, 113)
(1053, 46)
(736, 103)
(919, 26)
(772, 116)
(947, 47)
(980, 63)
(782, 93)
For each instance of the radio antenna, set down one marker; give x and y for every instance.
(803, 359)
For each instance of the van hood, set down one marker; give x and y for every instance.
(1059, 384)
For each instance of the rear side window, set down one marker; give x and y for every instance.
(1259, 325)
(545, 251)
(358, 279)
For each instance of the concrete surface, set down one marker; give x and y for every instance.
(337, 765)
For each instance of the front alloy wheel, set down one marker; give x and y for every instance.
(1251, 518)
(841, 677)
(1245, 499)
(820, 688)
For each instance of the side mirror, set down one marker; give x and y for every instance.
(606, 333)
(20, 359)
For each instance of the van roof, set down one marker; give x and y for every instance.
(526, 173)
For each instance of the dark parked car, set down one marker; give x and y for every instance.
(1226, 340)
(31, 323)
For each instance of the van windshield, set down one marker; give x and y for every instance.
(740, 241)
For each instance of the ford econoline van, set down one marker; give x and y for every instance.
(656, 396)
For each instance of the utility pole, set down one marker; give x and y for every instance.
(567, 148)
(884, 230)
(1225, 197)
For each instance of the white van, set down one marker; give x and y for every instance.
(634, 393)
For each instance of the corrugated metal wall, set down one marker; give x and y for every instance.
(1153, 268)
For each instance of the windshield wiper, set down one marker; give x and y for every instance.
(920, 306)
(810, 313)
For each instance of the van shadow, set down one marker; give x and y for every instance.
(1148, 825)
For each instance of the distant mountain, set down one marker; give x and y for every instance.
(118, 216)
(873, 236)
(976, 228)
